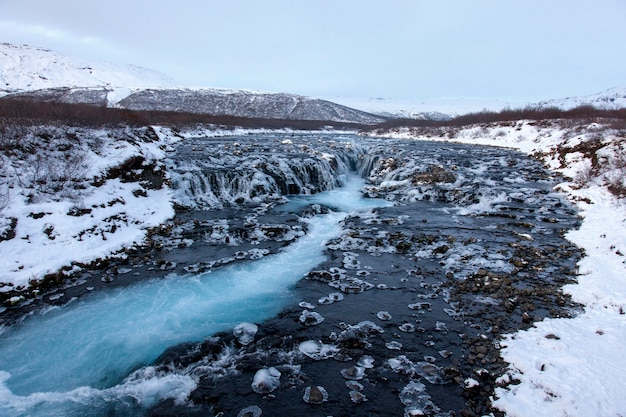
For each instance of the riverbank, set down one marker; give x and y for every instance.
(569, 366)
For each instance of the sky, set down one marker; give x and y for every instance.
(512, 50)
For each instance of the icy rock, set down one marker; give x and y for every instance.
(366, 362)
(245, 332)
(310, 318)
(354, 386)
(266, 380)
(393, 345)
(430, 372)
(315, 394)
(357, 397)
(420, 306)
(355, 373)
(407, 327)
(251, 411)
(351, 285)
(331, 298)
(413, 392)
(401, 365)
(383, 315)
(350, 260)
(317, 350)
(306, 305)
(417, 400)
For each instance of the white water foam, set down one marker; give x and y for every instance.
(77, 356)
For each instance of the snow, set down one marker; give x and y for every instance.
(26, 68)
(611, 99)
(569, 366)
(429, 108)
(438, 108)
(48, 238)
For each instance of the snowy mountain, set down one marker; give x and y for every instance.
(46, 75)
(427, 109)
(612, 99)
(25, 68)
(245, 104)
(448, 107)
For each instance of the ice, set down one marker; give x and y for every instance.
(354, 373)
(366, 362)
(250, 411)
(417, 400)
(128, 327)
(315, 394)
(245, 332)
(383, 315)
(317, 350)
(266, 380)
(310, 318)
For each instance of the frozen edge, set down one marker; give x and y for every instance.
(567, 366)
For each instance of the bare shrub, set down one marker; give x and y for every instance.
(45, 161)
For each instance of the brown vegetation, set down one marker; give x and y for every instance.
(26, 111)
(587, 113)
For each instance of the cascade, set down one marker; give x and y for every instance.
(84, 354)
(234, 175)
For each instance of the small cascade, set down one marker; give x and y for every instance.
(233, 175)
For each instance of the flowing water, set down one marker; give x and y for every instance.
(83, 351)
(421, 257)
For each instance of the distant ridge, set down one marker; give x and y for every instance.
(611, 99)
(40, 74)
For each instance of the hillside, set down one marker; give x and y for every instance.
(245, 104)
(43, 75)
(25, 68)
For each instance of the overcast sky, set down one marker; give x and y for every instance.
(512, 50)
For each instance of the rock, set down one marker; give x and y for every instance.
(315, 394)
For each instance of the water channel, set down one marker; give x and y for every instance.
(403, 261)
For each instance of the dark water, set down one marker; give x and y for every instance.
(419, 292)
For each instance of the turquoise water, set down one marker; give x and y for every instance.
(80, 359)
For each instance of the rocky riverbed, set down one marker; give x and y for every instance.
(405, 314)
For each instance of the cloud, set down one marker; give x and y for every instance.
(58, 39)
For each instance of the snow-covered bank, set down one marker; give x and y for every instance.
(71, 196)
(74, 195)
(569, 367)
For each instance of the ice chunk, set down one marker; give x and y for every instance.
(366, 362)
(315, 394)
(310, 318)
(393, 345)
(318, 350)
(357, 397)
(407, 327)
(245, 332)
(417, 400)
(354, 372)
(331, 298)
(251, 411)
(383, 315)
(266, 380)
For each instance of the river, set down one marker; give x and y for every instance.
(416, 255)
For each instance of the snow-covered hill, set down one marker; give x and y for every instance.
(445, 108)
(46, 75)
(430, 109)
(244, 103)
(25, 68)
(612, 99)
